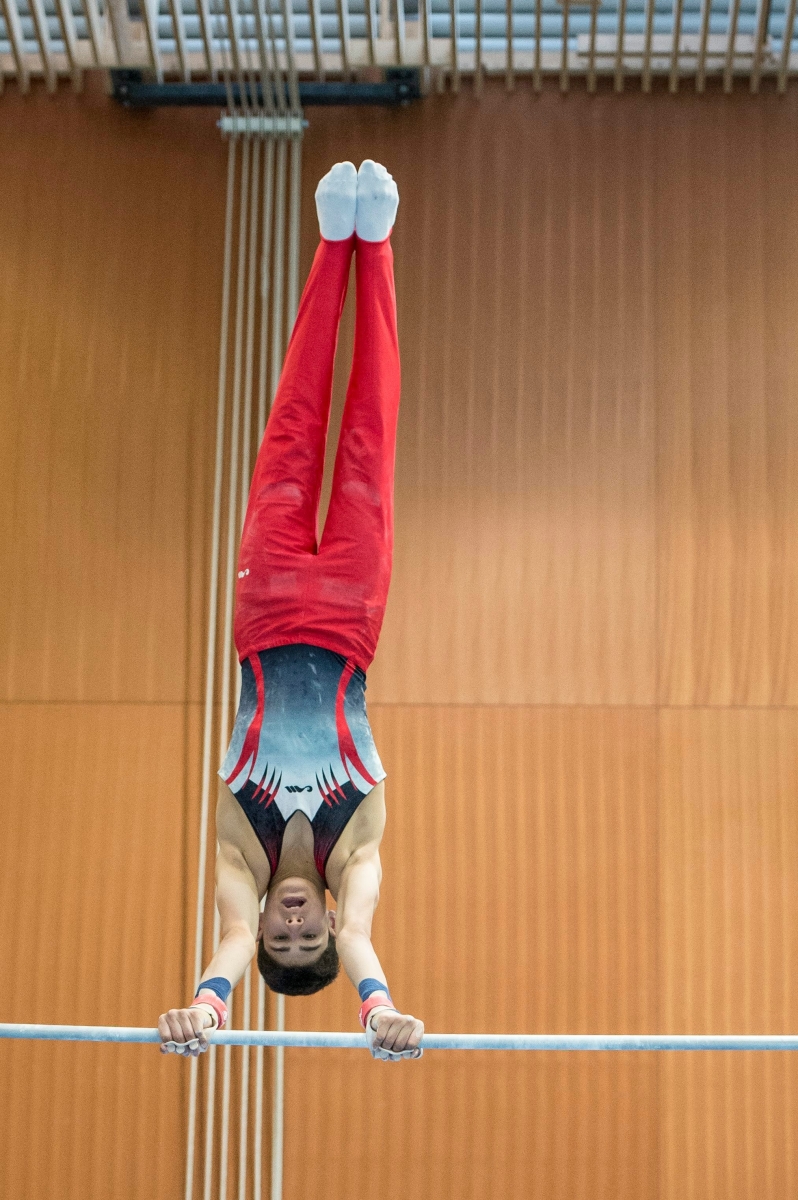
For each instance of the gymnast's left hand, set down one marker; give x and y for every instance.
(392, 1035)
(182, 1030)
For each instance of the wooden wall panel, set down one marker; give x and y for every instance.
(727, 383)
(520, 892)
(110, 229)
(525, 549)
(729, 943)
(94, 932)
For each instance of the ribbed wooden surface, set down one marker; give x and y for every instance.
(585, 691)
(93, 933)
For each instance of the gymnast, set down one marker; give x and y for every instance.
(301, 802)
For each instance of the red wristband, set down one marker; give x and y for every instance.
(211, 1000)
(375, 1000)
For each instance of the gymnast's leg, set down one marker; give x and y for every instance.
(357, 546)
(280, 528)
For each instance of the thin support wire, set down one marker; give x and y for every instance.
(210, 658)
(244, 1113)
(232, 539)
(278, 1109)
(279, 260)
(265, 276)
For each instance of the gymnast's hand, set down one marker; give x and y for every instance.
(182, 1030)
(392, 1035)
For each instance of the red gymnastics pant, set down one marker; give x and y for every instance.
(290, 587)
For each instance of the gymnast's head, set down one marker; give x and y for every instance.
(296, 942)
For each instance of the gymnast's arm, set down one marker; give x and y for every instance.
(358, 895)
(237, 901)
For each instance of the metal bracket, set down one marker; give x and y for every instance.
(129, 88)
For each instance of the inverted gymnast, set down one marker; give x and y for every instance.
(301, 802)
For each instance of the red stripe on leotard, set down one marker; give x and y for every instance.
(252, 739)
(346, 743)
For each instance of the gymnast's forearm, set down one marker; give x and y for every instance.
(234, 954)
(358, 956)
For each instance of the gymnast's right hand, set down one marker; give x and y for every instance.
(182, 1030)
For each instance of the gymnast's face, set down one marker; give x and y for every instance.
(294, 925)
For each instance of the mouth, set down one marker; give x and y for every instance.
(293, 901)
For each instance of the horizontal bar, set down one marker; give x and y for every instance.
(432, 1041)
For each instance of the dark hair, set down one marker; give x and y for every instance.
(299, 981)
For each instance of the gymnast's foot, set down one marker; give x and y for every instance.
(377, 202)
(336, 199)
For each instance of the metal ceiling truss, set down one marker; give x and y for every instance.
(624, 42)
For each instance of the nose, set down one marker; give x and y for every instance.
(295, 920)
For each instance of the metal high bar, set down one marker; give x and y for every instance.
(431, 1041)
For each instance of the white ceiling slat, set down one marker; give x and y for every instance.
(176, 11)
(36, 9)
(67, 23)
(701, 68)
(95, 29)
(344, 36)
(761, 38)
(149, 19)
(789, 29)
(478, 46)
(537, 77)
(565, 81)
(426, 29)
(729, 66)
(646, 73)
(15, 37)
(619, 61)
(673, 75)
(371, 33)
(591, 54)
(509, 74)
(454, 49)
(315, 33)
(400, 30)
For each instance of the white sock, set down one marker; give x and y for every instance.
(377, 202)
(336, 200)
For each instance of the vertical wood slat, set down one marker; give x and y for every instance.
(343, 26)
(591, 54)
(537, 77)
